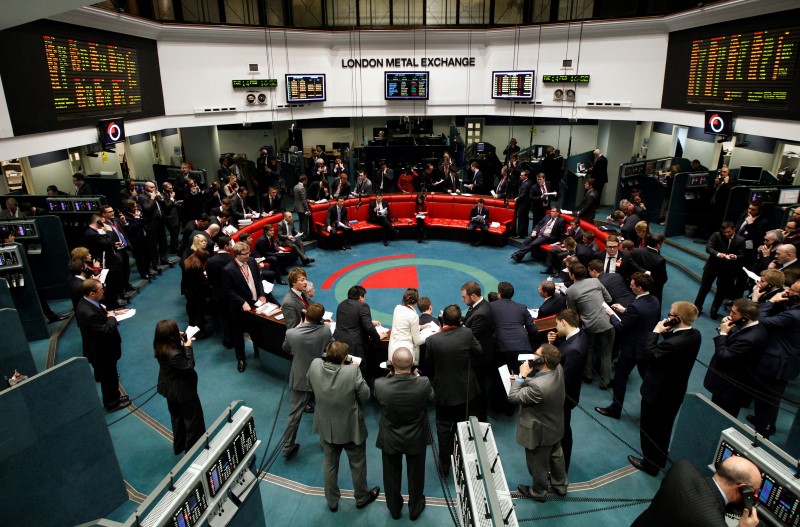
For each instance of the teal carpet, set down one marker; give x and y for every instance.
(438, 268)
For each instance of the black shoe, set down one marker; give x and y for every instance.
(477, 244)
(289, 454)
(241, 365)
(608, 411)
(55, 317)
(413, 517)
(547, 271)
(525, 490)
(605, 386)
(334, 508)
(386, 244)
(419, 241)
(347, 246)
(639, 464)
(118, 406)
(372, 496)
(164, 261)
(308, 409)
(159, 271)
(587, 380)
(713, 316)
(515, 257)
(281, 281)
(552, 490)
(129, 288)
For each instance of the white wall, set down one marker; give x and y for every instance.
(744, 157)
(660, 145)
(166, 146)
(201, 146)
(706, 153)
(140, 159)
(59, 174)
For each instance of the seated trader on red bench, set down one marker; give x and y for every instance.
(379, 214)
(550, 229)
(336, 221)
(478, 223)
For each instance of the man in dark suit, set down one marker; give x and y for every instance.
(719, 196)
(599, 172)
(478, 223)
(785, 258)
(616, 261)
(540, 201)
(591, 200)
(152, 204)
(102, 241)
(384, 181)
(363, 186)
(687, 498)
(240, 209)
(628, 226)
(337, 225)
(664, 386)
(549, 229)
(403, 430)
(340, 392)
(295, 302)
(304, 343)
(513, 326)
(119, 228)
(752, 226)
(242, 282)
(82, 188)
(288, 237)
(573, 345)
(554, 301)
(724, 249)
(632, 327)
(616, 286)
(216, 263)
(272, 202)
(341, 187)
(102, 344)
(11, 211)
(540, 393)
(380, 214)
(780, 362)
(522, 205)
(354, 324)
(479, 184)
(741, 340)
(455, 384)
(426, 312)
(649, 258)
(172, 218)
(267, 248)
(480, 321)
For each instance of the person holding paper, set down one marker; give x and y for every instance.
(478, 223)
(177, 382)
(541, 193)
(513, 326)
(242, 284)
(480, 321)
(354, 324)
(289, 237)
(337, 225)
(379, 214)
(539, 391)
(549, 229)
(295, 302)
(197, 290)
(724, 249)
(304, 343)
(405, 325)
(573, 345)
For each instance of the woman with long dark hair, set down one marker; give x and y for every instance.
(196, 289)
(177, 381)
(420, 213)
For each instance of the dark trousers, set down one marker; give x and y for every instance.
(530, 245)
(622, 371)
(522, 213)
(727, 404)
(188, 424)
(196, 310)
(725, 283)
(341, 236)
(141, 252)
(477, 232)
(481, 401)
(392, 476)
(656, 431)
(223, 314)
(125, 268)
(106, 372)
(766, 412)
(420, 228)
(237, 332)
(275, 264)
(446, 419)
(386, 226)
(174, 238)
(113, 288)
(157, 241)
(566, 441)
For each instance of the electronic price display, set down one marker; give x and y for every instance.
(10, 258)
(406, 85)
(230, 458)
(570, 79)
(633, 170)
(191, 509)
(58, 205)
(305, 87)
(512, 84)
(87, 205)
(698, 180)
(255, 83)
(23, 230)
(74, 205)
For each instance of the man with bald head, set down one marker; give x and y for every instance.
(785, 258)
(686, 498)
(403, 396)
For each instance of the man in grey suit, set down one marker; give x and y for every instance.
(404, 397)
(539, 391)
(613, 282)
(295, 302)
(301, 203)
(586, 297)
(304, 343)
(287, 236)
(340, 390)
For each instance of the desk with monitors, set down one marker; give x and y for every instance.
(779, 495)
(83, 205)
(23, 230)
(231, 457)
(190, 509)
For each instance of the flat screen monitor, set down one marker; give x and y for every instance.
(698, 180)
(408, 85)
(718, 122)
(481, 147)
(769, 195)
(111, 131)
(512, 84)
(305, 87)
(748, 174)
(789, 196)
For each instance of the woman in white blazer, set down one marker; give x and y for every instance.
(405, 325)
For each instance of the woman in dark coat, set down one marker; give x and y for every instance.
(177, 381)
(196, 289)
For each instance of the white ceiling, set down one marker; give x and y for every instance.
(16, 12)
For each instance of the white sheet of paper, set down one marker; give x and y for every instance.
(328, 315)
(549, 194)
(381, 329)
(279, 317)
(606, 307)
(103, 275)
(565, 211)
(432, 329)
(191, 331)
(355, 360)
(750, 274)
(126, 316)
(505, 376)
(268, 286)
(526, 356)
(495, 225)
(259, 303)
(230, 230)
(260, 259)
(534, 312)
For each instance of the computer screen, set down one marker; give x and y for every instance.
(406, 85)
(305, 87)
(749, 174)
(789, 196)
(512, 84)
(481, 147)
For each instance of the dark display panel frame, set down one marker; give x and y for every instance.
(422, 77)
(318, 76)
(497, 74)
(676, 80)
(26, 80)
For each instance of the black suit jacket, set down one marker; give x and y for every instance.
(574, 352)
(685, 498)
(618, 289)
(273, 205)
(600, 169)
(753, 232)
(651, 260)
(479, 319)
(718, 244)
(588, 206)
(101, 340)
(404, 419)
(451, 352)
(736, 358)
(153, 211)
(625, 268)
(177, 380)
(332, 217)
(552, 305)
(266, 246)
(556, 233)
(103, 247)
(475, 216)
(354, 326)
(540, 204)
(669, 365)
(236, 286)
(513, 324)
(523, 201)
(634, 326)
(628, 228)
(75, 286)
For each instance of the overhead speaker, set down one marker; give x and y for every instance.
(254, 98)
(570, 95)
(558, 95)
